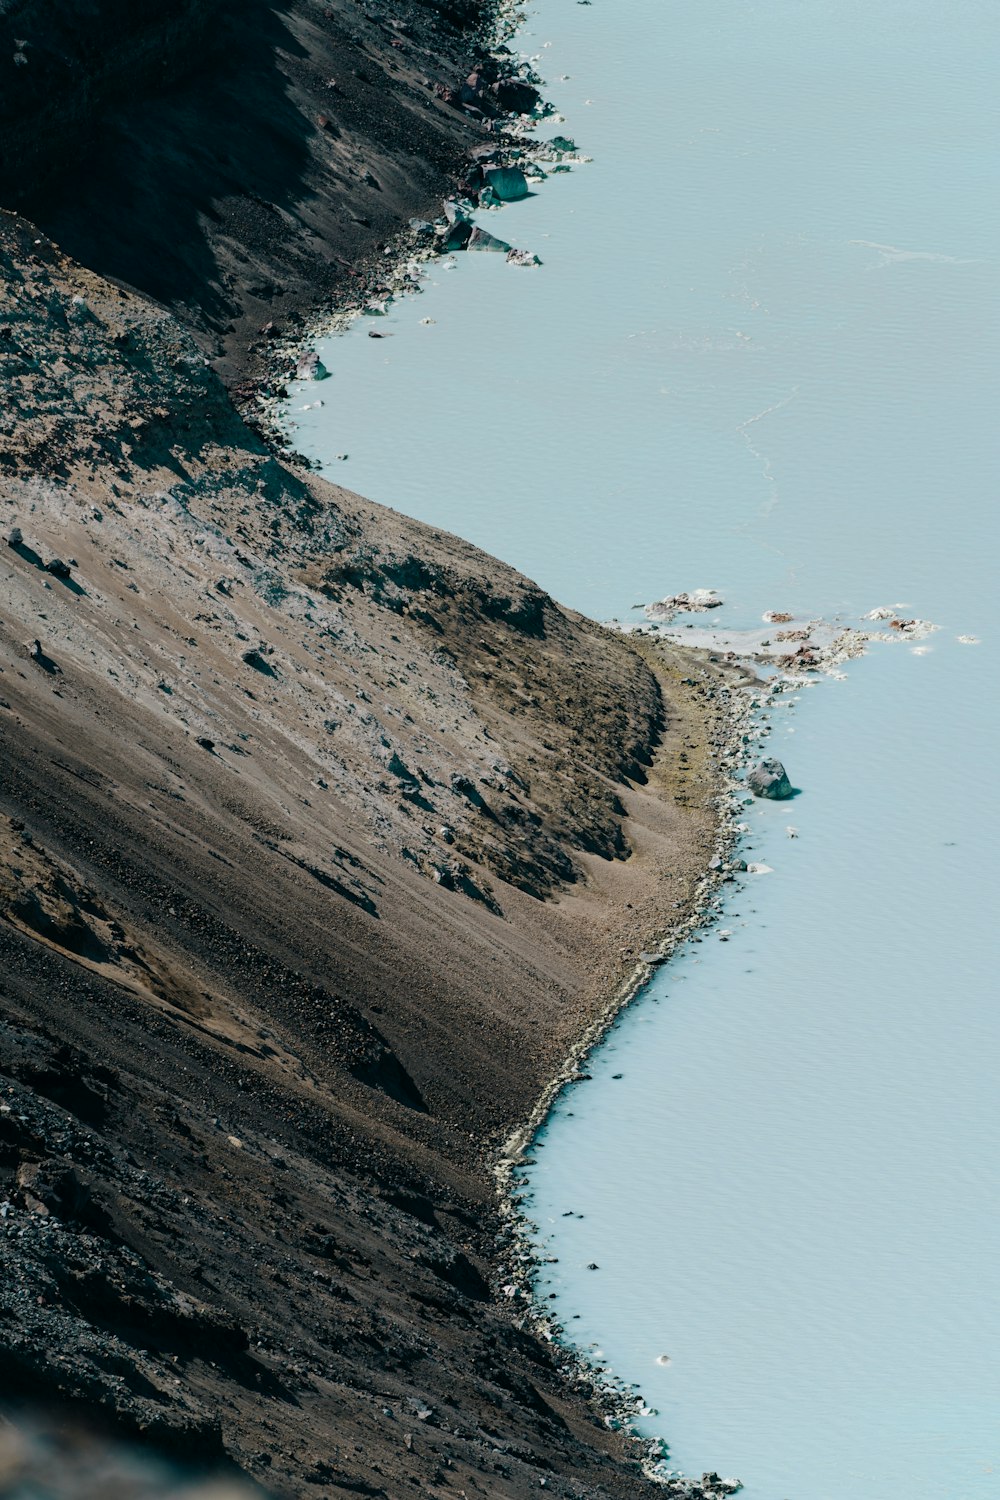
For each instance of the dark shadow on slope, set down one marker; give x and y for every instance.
(224, 140)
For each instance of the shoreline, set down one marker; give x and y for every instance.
(813, 650)
(331, 861)
(407, 252)
(308, 1032)
(414, 1123)
(662, 948)
(620, 1403)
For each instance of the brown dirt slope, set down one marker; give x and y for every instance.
(323, 836)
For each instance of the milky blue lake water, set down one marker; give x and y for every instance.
(762, 354)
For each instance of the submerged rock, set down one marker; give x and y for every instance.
(770, 780)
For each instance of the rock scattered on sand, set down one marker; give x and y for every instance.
(38, 654)
(710, 1486)
(254, 657)
(770, 780)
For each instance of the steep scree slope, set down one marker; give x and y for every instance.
(323, 836)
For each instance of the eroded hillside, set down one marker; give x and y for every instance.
(323, 837)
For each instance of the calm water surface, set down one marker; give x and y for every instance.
(762, 354)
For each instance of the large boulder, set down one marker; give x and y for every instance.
(457, 235)
(459, 226)
(309, 366)
(516, 96)
(472, 94)
(508, 183)
(770, 779)
(481, 239)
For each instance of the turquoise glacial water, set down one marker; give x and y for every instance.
(762, 354)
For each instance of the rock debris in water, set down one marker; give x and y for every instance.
(770, 780)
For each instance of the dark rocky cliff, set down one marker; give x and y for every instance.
(238, 160)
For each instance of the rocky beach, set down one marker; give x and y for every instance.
(326, 837)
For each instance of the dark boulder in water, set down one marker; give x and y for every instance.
(508, 183)
(457, 235)
(481, 239)
(770, 779)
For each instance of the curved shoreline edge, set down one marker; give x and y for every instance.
(298, 916)
(264, 404)
(407, 253)
(314, 832)
(619, 1402)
